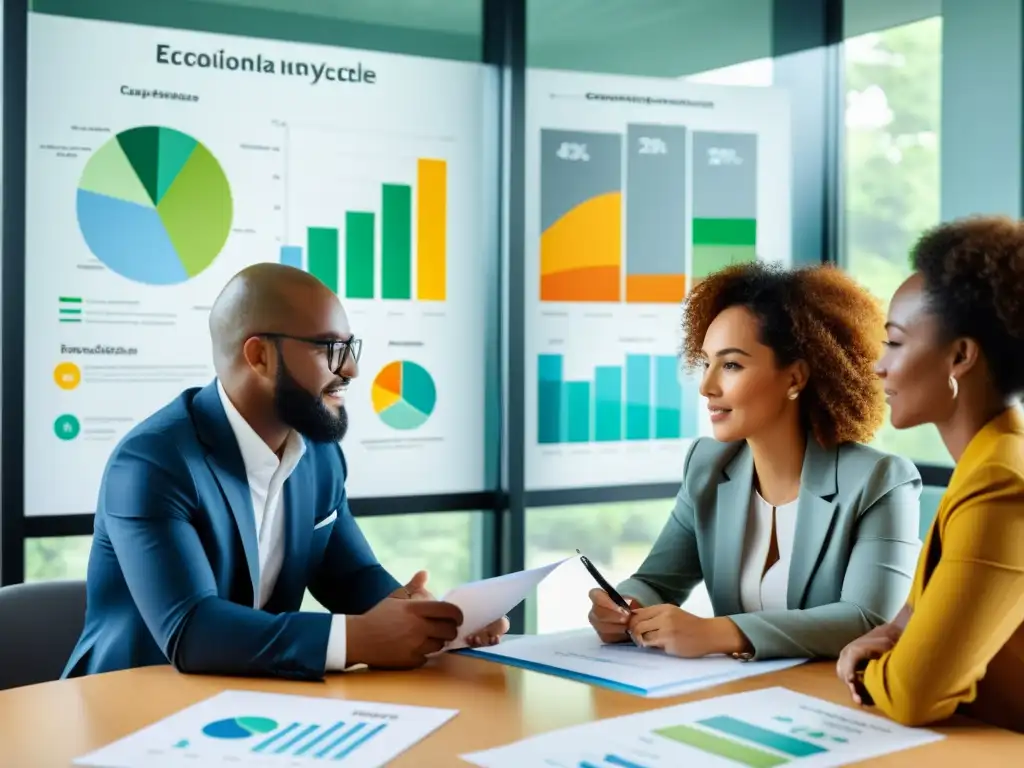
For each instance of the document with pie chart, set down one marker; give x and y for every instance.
(249, 728)
(162, 162)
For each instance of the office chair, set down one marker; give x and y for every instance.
(39, 626)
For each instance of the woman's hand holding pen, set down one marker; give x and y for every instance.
(680, 633)
(610, 621)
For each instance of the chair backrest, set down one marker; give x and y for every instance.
(39, 626)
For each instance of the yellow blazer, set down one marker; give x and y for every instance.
(963, 648)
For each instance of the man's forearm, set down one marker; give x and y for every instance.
(289, 645)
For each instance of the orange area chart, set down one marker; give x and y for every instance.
(580, 216)
(581, 253)
(655, 289)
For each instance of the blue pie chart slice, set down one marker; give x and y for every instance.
(131, 237)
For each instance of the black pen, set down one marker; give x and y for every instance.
(602, 582)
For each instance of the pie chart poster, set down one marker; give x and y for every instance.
(157, 168)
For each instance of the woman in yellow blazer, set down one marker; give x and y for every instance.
(955, 359)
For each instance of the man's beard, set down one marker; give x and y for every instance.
(306, 413)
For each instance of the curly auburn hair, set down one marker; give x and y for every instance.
(973, 271)
(816, 314)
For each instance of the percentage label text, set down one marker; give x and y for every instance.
(570, 151)
(652, 146)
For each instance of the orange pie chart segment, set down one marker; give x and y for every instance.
(387, 387)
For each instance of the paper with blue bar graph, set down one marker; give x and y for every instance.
(758, 729)
(267, 730)
(579, 655)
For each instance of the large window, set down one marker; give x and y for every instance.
(443, 543)
(660, 38)
(893, 80)
(449, 29)
(616, 537)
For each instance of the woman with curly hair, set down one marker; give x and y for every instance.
(804, 537)
(955, 359)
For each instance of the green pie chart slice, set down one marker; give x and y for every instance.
(110, 173)
(256, 724)
(175, 149)
(196, 211)
(141, 147)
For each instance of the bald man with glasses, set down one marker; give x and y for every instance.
(217, 513)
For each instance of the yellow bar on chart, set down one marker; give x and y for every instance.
(431, 229)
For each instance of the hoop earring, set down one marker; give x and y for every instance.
(954, 386)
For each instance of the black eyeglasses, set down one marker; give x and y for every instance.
(337, 351)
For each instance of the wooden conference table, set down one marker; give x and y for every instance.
(48, 725)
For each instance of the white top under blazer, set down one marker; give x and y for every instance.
(767, 592)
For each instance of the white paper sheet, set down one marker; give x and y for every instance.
(486, 601)
(245, 728)
(641, 671)
(766, 728)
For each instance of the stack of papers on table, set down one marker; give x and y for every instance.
(580, 655)
(760, 729)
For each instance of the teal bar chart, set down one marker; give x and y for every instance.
(334, 742)
(638, 397)
(645, 398)
(607, 403)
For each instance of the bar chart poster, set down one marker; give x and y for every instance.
(151, 181)
(637, 189)
(267, 729)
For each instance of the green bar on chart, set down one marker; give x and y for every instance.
(358, 255)
(396, 241)
(724, 201)
(322, 255)
(716, 745)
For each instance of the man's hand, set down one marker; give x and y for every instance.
(489, 635)
(400, 634)
(673, 630)
(609, 620)
(416, 589)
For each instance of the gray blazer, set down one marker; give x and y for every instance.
(855, 550)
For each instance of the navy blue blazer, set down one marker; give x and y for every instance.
(174, 562)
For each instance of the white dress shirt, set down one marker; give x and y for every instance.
(761, 590)
(266, 475)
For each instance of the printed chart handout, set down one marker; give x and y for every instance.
(268, 730)
(758, 729)
(580, 655)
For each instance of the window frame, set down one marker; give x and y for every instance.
(806, 51)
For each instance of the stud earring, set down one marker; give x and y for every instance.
(794, 394)
(954, 386)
